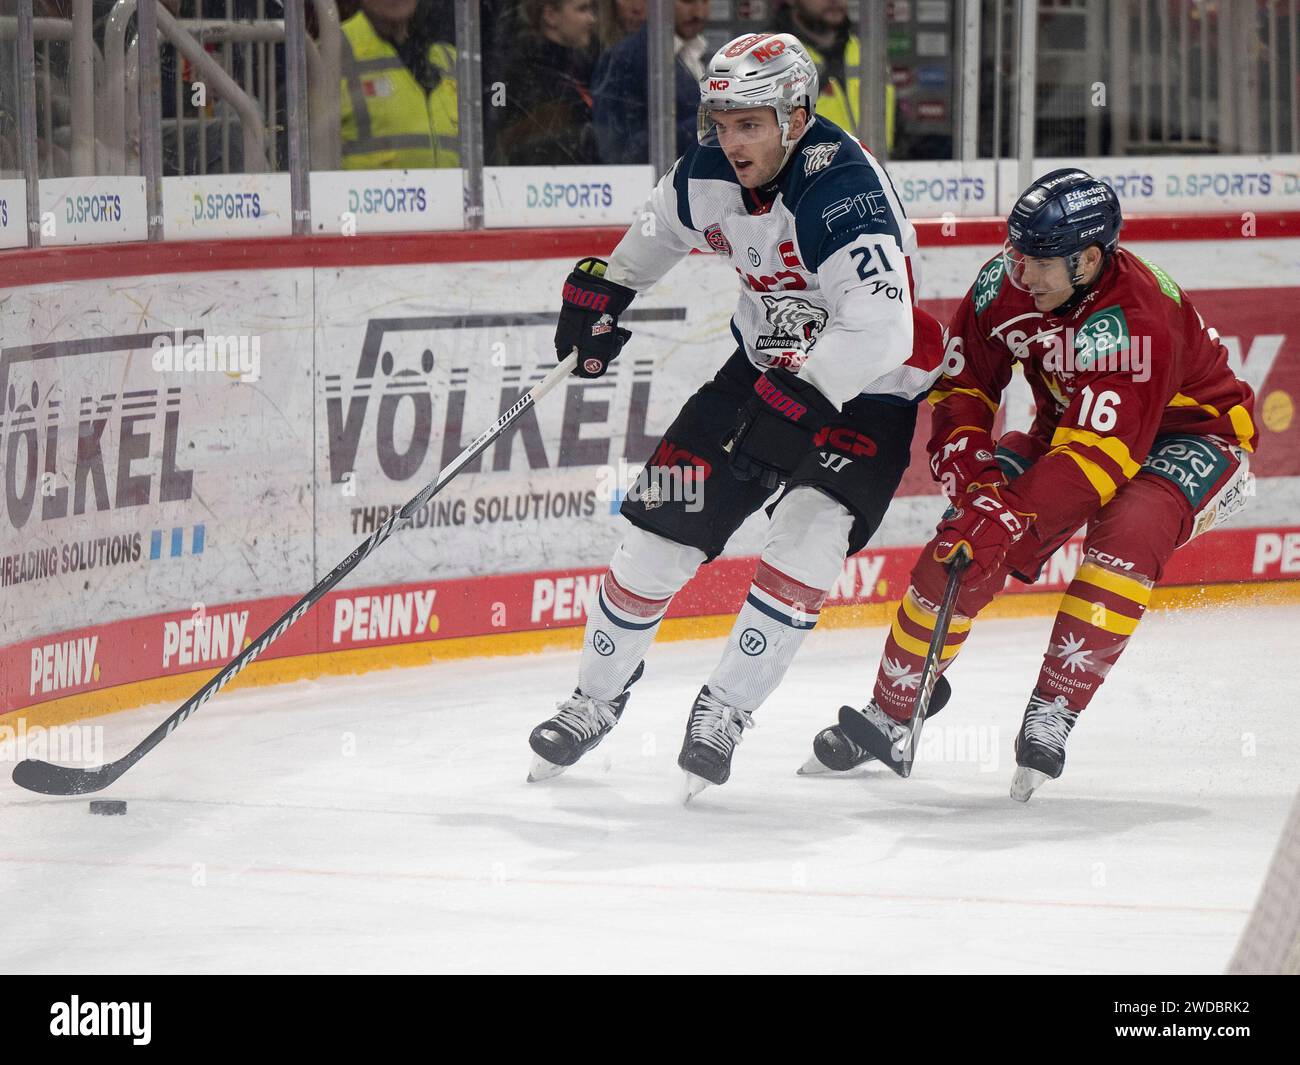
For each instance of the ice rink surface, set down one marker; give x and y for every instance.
(382, 823)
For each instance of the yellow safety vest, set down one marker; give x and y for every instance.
(839, 103)
(388, 120)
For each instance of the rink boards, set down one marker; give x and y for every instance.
(185, 451)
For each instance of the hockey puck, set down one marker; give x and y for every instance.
(107, 806)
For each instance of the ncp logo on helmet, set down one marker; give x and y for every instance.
(1059, 235)
(758, 70)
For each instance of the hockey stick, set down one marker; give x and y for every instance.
(899, 753)
(930, 670)
(49, 779)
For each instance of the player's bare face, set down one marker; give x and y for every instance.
(1049, 280)
(1046, 280)
(751, 141)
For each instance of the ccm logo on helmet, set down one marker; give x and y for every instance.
(846, 440)
(594, 301)
(718, 86)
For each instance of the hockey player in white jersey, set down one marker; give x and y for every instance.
(820, 395)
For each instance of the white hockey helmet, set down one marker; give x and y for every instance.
(758, 70)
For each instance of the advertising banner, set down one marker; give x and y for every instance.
(155, 446)
(221, 206)
(564, 195)
(181, 456)
(352, 202)
(13, 213)
(92, 210)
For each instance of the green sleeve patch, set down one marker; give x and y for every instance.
(1165, 282)
(988, 284)
(1099, 341)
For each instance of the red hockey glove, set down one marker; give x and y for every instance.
(589, 318)
(985, 526)
(963, 460)
(776, 428)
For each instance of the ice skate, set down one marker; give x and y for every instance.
(835, 752)
(580, 722)
(1040, 744)
(878, 734)
(712, 732)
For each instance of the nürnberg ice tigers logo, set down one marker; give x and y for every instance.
(796, 323)
(819, 156)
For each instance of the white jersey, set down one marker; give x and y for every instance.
(827, 267)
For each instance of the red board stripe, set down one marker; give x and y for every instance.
(20, 266)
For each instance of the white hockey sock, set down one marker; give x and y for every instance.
(620, 629)
(646, 572)
(804, 553)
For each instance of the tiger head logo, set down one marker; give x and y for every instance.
(819, 156)
(796, 321)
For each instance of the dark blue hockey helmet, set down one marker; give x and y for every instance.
(1060, 215)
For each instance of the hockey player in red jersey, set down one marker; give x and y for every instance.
(831, 359)
(1141, 435)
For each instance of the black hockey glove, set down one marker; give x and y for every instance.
(589, 318)
(776, 428)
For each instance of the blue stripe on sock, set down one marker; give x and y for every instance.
(600, 598)
(776, 615)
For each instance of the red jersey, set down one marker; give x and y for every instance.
(1132, 361)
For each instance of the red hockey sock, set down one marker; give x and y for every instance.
(905, 650)
(1100, 610)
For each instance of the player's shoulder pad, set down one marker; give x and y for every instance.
(1151, 280)
(1142, 302)
(699, 163)
(835, 194)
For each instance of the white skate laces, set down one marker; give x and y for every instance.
(718, 726)
(1048, 723)
(584, 716)
(895, 730)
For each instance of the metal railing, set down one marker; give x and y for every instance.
(1197, 76)
(63, 145)
(88, 113)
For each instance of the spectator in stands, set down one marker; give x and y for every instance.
(546, 118)
(619, 19)
(620, 88)
(825, 30)
(399, 100)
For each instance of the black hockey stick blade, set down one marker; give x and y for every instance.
(871, 739)
(49, 779)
